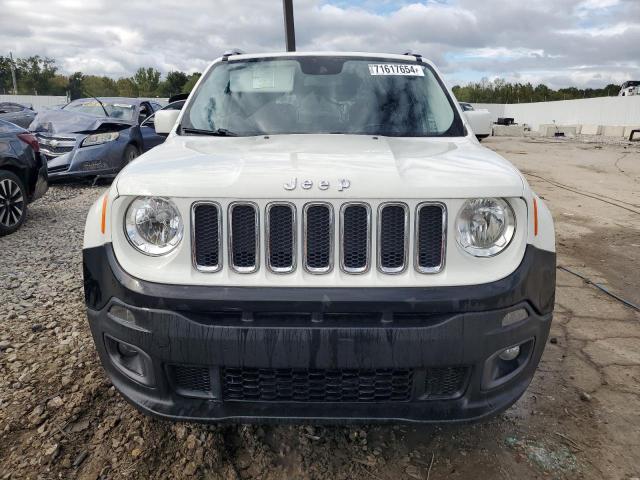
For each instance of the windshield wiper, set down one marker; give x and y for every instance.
(220, 132)
(101, 104)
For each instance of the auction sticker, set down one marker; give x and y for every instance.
(396, 69)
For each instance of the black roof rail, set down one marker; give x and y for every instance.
(233, 51)
(410, 53)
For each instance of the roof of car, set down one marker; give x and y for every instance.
(16, 103)
(8, 127)
(391, 56)
(132, 101)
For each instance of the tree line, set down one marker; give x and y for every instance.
(501, 91)
(37, 75)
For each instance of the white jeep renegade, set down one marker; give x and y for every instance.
(321, 237)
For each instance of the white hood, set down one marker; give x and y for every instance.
(259, 167)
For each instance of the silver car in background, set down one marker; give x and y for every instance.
(17, 113)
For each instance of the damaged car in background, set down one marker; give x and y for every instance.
(93, 136)
(23, 175)
(17, 113)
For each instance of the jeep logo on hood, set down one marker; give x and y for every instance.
(342, 183)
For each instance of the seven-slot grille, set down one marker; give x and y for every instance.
(392, 253)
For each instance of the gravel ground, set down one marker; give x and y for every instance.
(61, 418)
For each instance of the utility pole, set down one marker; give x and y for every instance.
(13, 74)
(289, 29)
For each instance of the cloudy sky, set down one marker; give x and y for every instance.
(559, 42)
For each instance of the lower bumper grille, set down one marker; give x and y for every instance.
(319, 385)
(297, 385)
(190, 381)
(445, 382)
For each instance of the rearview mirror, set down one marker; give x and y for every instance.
(165, 121)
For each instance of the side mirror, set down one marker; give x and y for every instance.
(165, 121)
(479, 120)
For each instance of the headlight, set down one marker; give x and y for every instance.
(153, 225)
(98, 138)
(485, 226)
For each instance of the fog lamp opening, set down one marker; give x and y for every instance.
(506, 364)
(509, 354)
(126, 351)
(130, 360)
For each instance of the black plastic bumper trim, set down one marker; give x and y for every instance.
(533, 281)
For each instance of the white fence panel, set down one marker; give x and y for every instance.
(619, 111)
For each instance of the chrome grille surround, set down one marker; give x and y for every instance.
(404, 237)
(230, 217)
(294, 235)
(305, 240)
(195, 240)
(343, 266)
(403, 267)
(55, 146)
(443, 247)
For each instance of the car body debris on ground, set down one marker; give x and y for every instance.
(580, 418)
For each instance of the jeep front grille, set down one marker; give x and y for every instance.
(355, 228)
(393, 233)
(431, 222)
(207, 236)
(318, 237)
(379, 234)
(281, 237)
(244, 237)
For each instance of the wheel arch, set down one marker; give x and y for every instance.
(20, 172)
(136, 143)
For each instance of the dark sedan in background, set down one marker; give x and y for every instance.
(23, 175)
(20, 114)
(94, 136)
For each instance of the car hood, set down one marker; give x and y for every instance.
(259, 167)
(62, 121)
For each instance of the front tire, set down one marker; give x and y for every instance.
(130, 154)
(13, 203)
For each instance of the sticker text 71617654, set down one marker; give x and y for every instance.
(396, 69)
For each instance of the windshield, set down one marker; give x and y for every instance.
(122, 111)
(316, 94)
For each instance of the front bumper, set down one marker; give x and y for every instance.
(300, 354)
(104, 159)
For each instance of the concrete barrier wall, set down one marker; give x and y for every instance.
(38, 101)
(614, 111)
